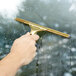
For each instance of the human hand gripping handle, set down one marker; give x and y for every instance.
(22, 53)
(24, 48)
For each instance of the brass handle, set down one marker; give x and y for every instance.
(36, 28)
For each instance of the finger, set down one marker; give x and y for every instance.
(35, 37)
(27, 34)
(34, 50)
(32, 42)
(33, 54)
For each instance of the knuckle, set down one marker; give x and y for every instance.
(35, 48)
(34, 54)
(33, 42)
(15, 40)
(36, 36)
(22, 36)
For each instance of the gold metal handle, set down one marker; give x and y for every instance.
(36, 28)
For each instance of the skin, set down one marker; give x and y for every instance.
(22, 53)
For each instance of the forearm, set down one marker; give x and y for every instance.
(21, 54)
(10, 65)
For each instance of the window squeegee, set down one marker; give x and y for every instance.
(36, 28)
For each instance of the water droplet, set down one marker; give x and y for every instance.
(67, 74)
(48, 56)
(60, 42)
(7, 46)
(65, 40)
(56, 25)
(64, 46)
(67, 25)
(41, 23)
(64, 32)
(73, 49)
(72, 8)
(45, 17)
(1, 27)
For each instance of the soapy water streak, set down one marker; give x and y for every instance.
(9, 8)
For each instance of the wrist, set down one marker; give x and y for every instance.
(10, 64)
(16, 59)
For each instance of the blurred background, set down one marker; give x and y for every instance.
(56, 55)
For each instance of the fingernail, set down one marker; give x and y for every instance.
(27, 33)
(37, 36)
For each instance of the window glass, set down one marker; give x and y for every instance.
(56, 55)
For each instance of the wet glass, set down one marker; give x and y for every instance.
(56, 55)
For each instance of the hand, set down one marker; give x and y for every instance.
(24, 48)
